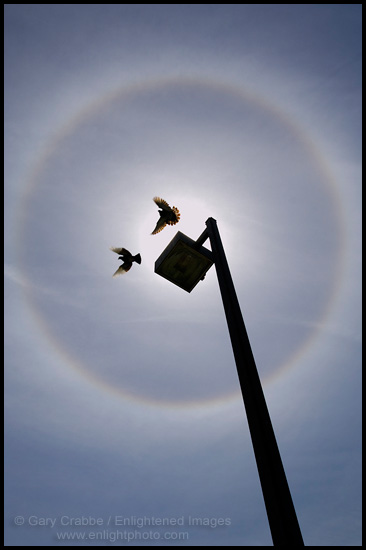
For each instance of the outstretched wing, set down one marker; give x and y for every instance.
(162, 204)
(120, 250)
(159, 226)
(126, 266)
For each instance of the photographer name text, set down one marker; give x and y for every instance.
(122, 521)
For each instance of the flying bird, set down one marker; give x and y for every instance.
(168, 215)
(127, 259)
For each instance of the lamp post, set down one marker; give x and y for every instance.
(281, 513)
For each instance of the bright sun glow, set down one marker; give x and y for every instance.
(246, 254)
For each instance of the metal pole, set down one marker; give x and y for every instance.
(285, 529)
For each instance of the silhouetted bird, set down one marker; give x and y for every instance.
(127, 259)
(168, 215)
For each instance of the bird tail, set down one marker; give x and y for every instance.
(177, 213)
(137, 258)
(177, 216)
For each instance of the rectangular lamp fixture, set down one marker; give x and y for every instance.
(184, 262)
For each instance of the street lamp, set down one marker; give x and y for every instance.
(182, 263)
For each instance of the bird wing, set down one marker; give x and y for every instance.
(120, 250)
(162, 204)
(126, 266)
(159, 226)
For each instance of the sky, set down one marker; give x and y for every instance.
(124, 420)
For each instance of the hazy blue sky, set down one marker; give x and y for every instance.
(123, 406)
